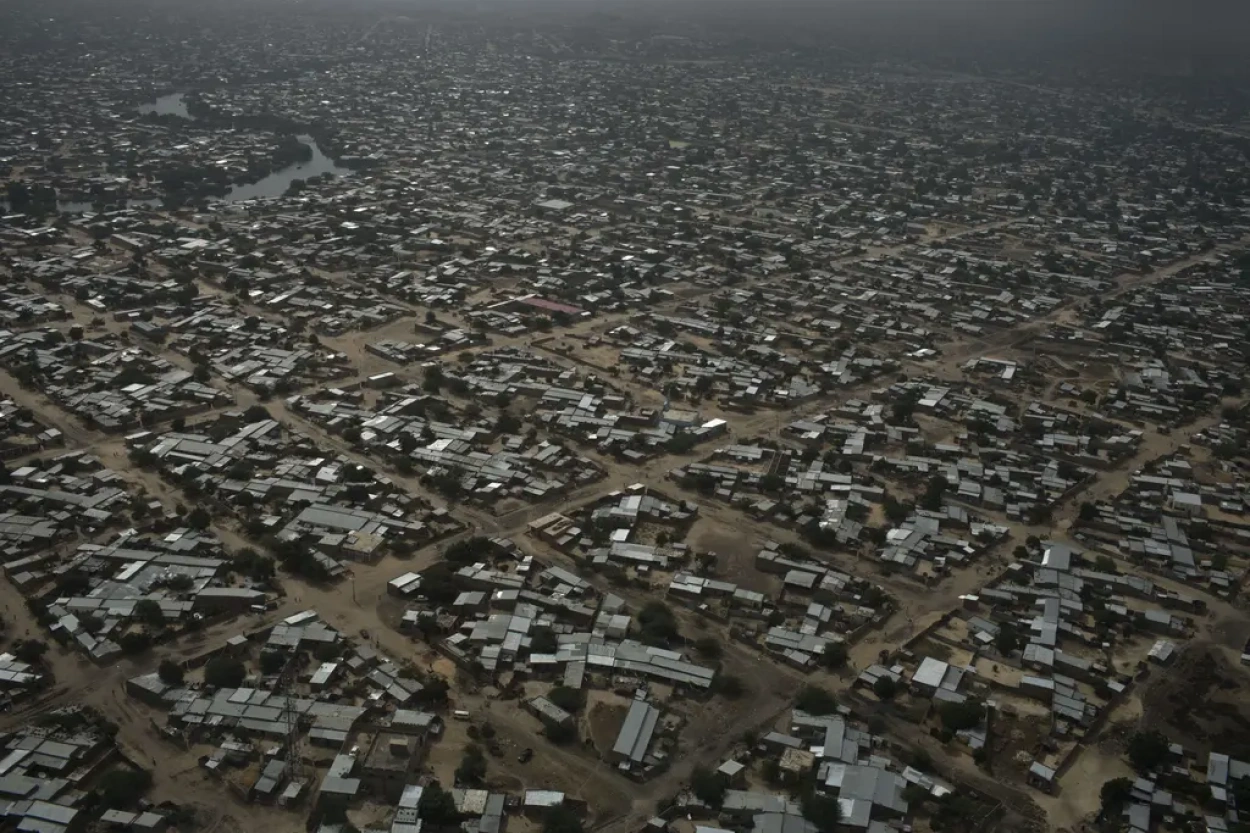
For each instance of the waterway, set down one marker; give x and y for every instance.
(276, 183)
(273, 185)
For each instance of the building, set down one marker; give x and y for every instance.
(634, 739)
(390, 765)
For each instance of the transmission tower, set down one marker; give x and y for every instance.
(294, 756)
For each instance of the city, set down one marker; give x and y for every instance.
(414, 420)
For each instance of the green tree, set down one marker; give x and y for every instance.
(271, 662)
(885, 687)
(570, 699)
(170, 672)
(253, 565)
(437, 806)
(148, 611)
(434, 692)
(468, 551)
(560, 733)
(708, 646)
(895, 512)
(1147, 750)
(821, 810)
(815, 700)
(30, 651)
(960, 716)
(902, 410)
(433, 380)
(771, 484)
(1008, 639)
(19, 195)
(328, 651)
(508, 423)
(709, 787)
(657, 624)
(134, 642)
(562, 819)
(1114, 795)
(728, 685)
(224, 672)
(472, 769)
(834, 656)
(182, 583)
(120, 788)
(543, 641)
(256, 413)
(934, 490)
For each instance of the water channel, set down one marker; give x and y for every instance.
(273, 185)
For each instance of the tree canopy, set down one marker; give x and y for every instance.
(123, 787)
(170, 672)
(224, 672)
(149, 612)
(437, 806)
(570, 699)
(709, 787)
(657, 624)
(472, 769)
(815, 700)
(885, 687)
(562, 819)
(1147, 750)
(960, 716)
(1115, 794)
(543, 641)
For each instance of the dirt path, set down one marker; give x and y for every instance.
(351, 606)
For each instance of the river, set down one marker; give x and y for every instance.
(276, 183)
(273, 185)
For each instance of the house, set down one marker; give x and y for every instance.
(390, 765)
(634, 738)
(866, 793)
